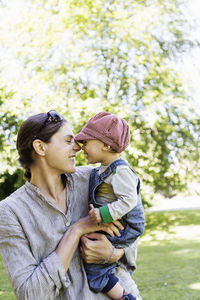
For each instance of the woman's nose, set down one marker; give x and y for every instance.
(76, 147)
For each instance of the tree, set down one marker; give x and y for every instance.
(104, 55)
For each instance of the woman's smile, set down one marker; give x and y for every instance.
(72, 157)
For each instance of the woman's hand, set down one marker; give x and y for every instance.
(86, 225)
(96, 248)
(71, 238)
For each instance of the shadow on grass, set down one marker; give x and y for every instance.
(169, 270)
(169, 262)
(166, 221)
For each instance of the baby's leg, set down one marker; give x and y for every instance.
(118, 293)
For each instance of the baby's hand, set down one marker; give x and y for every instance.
(94, 214)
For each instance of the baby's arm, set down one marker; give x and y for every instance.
(124, 184)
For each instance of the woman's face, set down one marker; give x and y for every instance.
(61, 151)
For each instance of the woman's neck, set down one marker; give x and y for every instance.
(51, 186)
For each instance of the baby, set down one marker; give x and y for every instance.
(114, 193)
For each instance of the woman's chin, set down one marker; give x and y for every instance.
(70, 169)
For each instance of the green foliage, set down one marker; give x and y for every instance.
(9, 183)
(81, 57)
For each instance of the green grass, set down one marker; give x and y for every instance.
(168, 258)
(6, 292)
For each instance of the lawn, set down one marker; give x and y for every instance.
(168, 258)
(5, 287)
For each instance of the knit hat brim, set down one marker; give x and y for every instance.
(84, 136)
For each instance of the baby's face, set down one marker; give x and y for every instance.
(94, 150)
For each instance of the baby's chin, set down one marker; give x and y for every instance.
(90, 161)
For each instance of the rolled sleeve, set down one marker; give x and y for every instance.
(30, 279)
(130, 255)
(56, 271)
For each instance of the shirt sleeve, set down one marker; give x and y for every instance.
(130, 255)
(30, 279)
(124, 184)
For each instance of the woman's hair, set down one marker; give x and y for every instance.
(39, 126)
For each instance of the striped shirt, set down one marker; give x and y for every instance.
(31, 227)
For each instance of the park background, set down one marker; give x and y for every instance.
(140, 60)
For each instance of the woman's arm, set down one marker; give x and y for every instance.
(71, 238)
(32, 278)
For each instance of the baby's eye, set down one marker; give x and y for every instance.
(69, 141)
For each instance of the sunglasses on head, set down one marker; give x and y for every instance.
(52, 117)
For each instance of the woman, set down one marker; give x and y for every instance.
(42, 223)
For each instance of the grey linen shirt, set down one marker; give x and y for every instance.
(31, 227)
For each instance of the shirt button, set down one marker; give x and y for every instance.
(67, 223)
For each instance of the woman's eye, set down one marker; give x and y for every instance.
(69, 141)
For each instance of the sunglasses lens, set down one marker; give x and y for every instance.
(53, 116)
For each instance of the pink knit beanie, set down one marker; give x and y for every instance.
(109, 129)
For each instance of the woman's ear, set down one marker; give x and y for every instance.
(39, 147)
